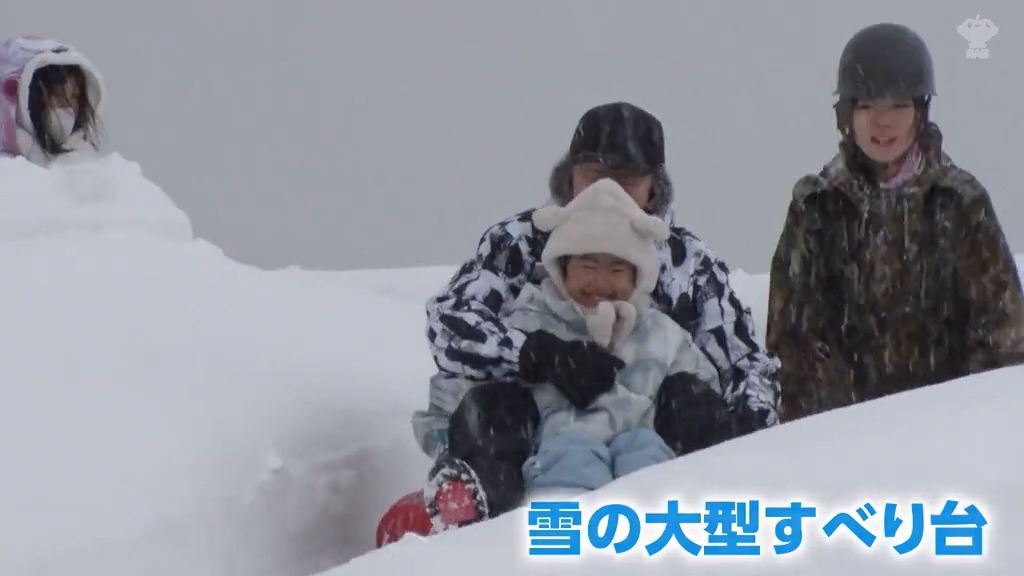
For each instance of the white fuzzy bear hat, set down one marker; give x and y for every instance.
(603, 219)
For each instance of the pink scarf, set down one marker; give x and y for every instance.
(910, 168)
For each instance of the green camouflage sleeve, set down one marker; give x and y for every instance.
(987, 278)
(813, 373)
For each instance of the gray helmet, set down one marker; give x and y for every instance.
(885, 61)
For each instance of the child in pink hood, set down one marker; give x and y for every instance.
(50, 97)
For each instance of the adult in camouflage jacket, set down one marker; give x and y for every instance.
(892, 271)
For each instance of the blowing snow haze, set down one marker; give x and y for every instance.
(342, 135)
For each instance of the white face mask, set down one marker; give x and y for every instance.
(62, 123)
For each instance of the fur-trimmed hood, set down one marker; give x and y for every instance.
(662, 195)
(20, 57)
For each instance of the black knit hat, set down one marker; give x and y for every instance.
(620, 136)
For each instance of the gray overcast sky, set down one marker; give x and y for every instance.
(382, 133)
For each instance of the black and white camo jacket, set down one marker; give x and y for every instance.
(470, 339)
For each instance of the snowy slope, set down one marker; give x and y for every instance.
(150, 383)
(956, 440)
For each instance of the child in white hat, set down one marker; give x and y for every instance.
(666, 399)
(602, 266)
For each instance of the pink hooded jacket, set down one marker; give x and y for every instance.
(20, 57)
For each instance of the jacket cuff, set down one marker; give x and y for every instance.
(518, 338)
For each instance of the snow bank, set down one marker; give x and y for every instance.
(106, 195)
(955, 440)
(148, 382)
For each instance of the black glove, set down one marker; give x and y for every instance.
(580, 370)
(689, 415)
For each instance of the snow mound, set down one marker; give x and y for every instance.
(106, 195)
(168, 410)
(956, 440)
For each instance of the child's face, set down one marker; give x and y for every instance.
(592, 278)
(64, 95)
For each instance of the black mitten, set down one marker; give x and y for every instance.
(580, 370)
(690, 416)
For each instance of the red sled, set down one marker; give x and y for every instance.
(455, 503)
